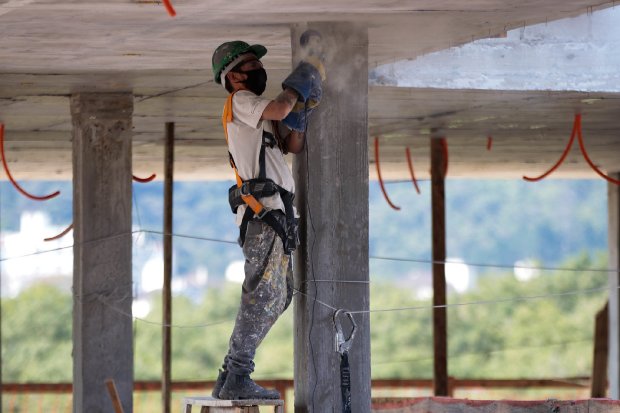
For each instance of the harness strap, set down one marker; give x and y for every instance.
(227, 116)
(255, 206)
(345, 382)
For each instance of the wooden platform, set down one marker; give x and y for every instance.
(211, 405)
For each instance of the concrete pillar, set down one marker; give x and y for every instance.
(102, 324)
(613, 231)
(332, 197)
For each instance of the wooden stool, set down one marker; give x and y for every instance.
(211, 405)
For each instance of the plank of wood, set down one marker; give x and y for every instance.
(212, 402)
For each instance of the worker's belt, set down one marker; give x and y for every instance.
(260, 188)
(284, 224)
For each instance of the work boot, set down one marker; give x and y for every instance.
(242, 387)
(219, 383)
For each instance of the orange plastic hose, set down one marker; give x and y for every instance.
(8, 173)
(410, 163)
(169, 8)
(144, 180)
(576, 123)
(589, 161)
(385, 195)
(62, 234)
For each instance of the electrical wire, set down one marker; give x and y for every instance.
(481, 302)
(484, 265)
(316, 288)
(373, 257)
(160, 324)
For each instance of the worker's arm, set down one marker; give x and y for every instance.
(297, 88)
(281, 106)
(295, 141)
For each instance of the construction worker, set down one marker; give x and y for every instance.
(262, 199)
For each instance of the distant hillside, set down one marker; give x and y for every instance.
(492, 221)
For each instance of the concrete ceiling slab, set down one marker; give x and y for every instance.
(52, 49)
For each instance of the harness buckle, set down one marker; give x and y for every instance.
(244, 189)
(342, 345)
(262, 213)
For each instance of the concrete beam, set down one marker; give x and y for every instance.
(102, 278)
(613, 231)
(332, 197)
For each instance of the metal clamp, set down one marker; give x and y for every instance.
(341, 344)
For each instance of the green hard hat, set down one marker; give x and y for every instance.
(229, 51)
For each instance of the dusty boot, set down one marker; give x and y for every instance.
(242, 387)
(221, 378)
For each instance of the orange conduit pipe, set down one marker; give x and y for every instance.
(169, 8)
(144, 180)
(410, 163)
(385, 195)
(576, 124)
(62, 234)
(489, 143)
(589, 161)
(15, 184)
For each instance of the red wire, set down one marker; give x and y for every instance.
(589, 161)
(444, 145)
(489, 142)
(62, 234)
(144, 180)
(169, 8)
(415, 181)
(387, 198)
(8, 173)
(563, 157)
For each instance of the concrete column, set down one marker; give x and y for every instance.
(102, 324)
(332, 197)
(613, 228)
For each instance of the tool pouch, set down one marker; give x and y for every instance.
(292, 236)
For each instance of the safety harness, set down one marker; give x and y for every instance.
(249, 192)
(342, 346)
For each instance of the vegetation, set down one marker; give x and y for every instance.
(503, 336)
(500, 335)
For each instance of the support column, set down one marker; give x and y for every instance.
(102, 278)
(440, 322)
(613, 231)
(332, 198)
(166, 359)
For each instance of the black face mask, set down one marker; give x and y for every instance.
(256, 81)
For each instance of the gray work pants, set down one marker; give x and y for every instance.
(267, 291)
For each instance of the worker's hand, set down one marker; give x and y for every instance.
(306, 79)
(297, 121)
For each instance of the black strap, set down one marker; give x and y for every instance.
(270, 141)
(286, 231)
(345, 382)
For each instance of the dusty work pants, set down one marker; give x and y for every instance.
(267, 292)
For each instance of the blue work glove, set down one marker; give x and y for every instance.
(298, 120)
(306, 80)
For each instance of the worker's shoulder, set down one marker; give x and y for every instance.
(245, 101)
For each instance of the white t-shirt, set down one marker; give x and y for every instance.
(245, 136)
